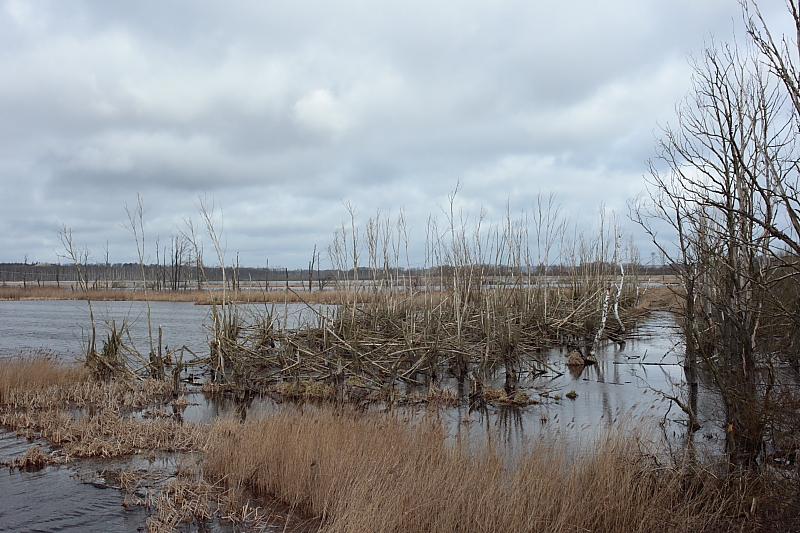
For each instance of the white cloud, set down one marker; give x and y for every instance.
(320, 111)
(21, 13)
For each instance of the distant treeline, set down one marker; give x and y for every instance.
(182, 276)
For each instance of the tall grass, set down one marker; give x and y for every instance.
(37, 390)
(371, 473)
(36, 372)
(357, 472)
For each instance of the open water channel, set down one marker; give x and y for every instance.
(624, 387)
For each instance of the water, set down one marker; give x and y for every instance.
(628, 387)
(627, 384)
(63, 326)
(55, 499)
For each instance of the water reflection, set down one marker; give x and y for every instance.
(630, 383)
(631, 380)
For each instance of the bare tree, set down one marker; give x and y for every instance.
(135, 225)
(719, 183)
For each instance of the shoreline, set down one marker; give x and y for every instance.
(658, 295)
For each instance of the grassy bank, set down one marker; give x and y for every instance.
(51, 292)
(24, 376)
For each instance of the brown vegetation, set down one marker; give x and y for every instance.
(350, 471)
(491, 302)
(201, 297)
(36, 372)
(665, 296)
(36, 392)
(34, 459)
(362, 473)
(51, 292)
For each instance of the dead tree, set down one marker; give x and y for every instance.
(718, 183)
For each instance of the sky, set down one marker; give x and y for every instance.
(279, 114)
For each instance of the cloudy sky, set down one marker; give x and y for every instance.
(280, 112)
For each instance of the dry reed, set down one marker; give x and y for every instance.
(371, 473)
(180, 501)
(50, 292)
(364, 472)
(104, 433)
(36, 372)
(34, 458)
(36, 392)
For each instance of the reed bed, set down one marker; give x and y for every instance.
(341, 470)
(661, 297)
(181, 501)
(35, 373)
(125, 395)
(363, 473)
(380, 348)
(51, 292)
(188, 498)
(294, 296)
(35, 458)
(104, 433)
(43, 397)
(488, 299)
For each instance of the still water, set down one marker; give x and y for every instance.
(627, 384)
(63, 326)
(56, 499)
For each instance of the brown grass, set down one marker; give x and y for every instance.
(36, 373)
(34, 458)
(36, 391)
(354, 472)
(370, 473)
(201, 297)
(180, 501)
(49, 292)
(657, 296)
(104, 433)
(660, 297)
(51, 386)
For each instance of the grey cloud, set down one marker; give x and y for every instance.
(281, 110)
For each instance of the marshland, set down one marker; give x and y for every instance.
(539, 383)
(512, 374)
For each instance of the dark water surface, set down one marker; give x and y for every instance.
(55, 499)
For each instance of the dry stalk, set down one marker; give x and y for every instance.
(372, 473)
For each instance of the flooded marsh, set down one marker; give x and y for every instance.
(170, 448)
(112, 425)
